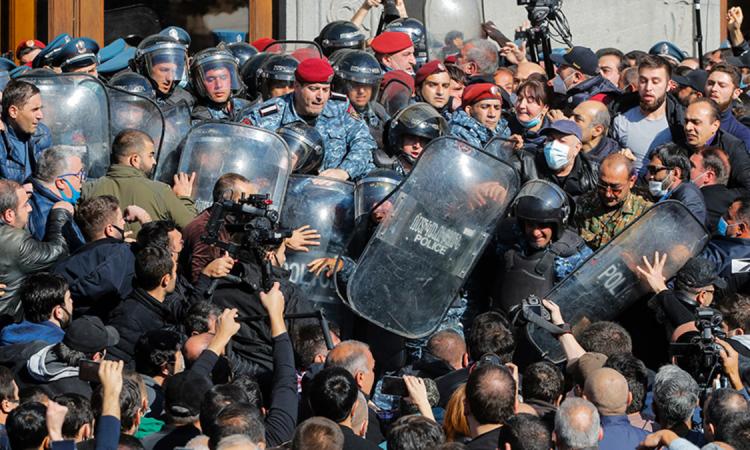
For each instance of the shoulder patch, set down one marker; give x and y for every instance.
(246, 121)
(353, 112)
(268, 110)
(338, 96)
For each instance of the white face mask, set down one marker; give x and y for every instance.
(660, 188)
(558, 84)
(556, 154)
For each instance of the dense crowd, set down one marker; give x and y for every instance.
(576, 277)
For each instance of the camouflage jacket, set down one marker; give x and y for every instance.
(597, 225)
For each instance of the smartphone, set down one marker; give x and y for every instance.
(394, 386)
(88, 370)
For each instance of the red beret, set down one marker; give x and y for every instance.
(30, 44)
(262, 43)
(399, 75)
(431, 68)
(314, 70)
(389, 42)
(480, 91)
(452, 59)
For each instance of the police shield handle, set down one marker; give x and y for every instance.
(654, 274)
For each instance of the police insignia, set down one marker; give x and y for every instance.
(173, 34)
(81, 47)
(268, 110)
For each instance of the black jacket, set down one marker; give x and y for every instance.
(739, 161)
(690, 195)
(580, 180)
(675, 114)
(718, 198)
(354, 442)
(589, 88)
(604, 148)
(137, 314)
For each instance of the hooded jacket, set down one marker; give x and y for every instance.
(44, 368)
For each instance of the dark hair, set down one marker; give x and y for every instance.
(8, 197)
(150, 359)
(131, 400)
(637, 55)
(635, 373)
(736, 311)
(735, 432)
(93, 214)
(415, 433)
(491, 394)
(490, 333)
(251, 388)
(129, 142)
(609, 51)
(457, 74)
(715, 112)
(226, 184)
(6, 385)
(79, 413)
(27, 426)
(40, 293)
(128, 442)
(606, 337)
(154, 233)
(308, 342)
(32, 394)
(743, 212)
(730, 70)
(196, 319)
(534, 89)
(237, 418)
(717, 160)
(655, 62)
(542, 381)
(216, 399)
(333, 393)
(17, 93)
(151, 264)
(318, 433)
(525, 432)
(721, 405)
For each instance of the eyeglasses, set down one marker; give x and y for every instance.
(614, 188)
(653, 170)
(81, 175)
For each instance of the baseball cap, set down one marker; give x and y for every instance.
(579, 58)
(88, 334)
(699, 272)
(566, 127)
(184, 394)
(695, 79)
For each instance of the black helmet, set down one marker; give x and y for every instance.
(305, 146)
(276, 69)
(213, 59)
(249, 73)
(416, 31)
(242, 51)
(357, 66)
(543, 202)
(134, 83)
(340, 34)
(418, 119)
(373, 188)
(158, 49)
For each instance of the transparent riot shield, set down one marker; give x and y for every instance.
(395, 96)
(128, 110)
(500, 148)
(76, 110)
(328, 206)
(450, 23)
(609, 282)
(442, 217)
(300, 50)
(176, 127)
(212, 149)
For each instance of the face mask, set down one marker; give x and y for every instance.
(695, 180)
(513, 98)
(73, 199)
(556, 154)
(531, 123)
(657, 189)
(722, 227)
(558, 84)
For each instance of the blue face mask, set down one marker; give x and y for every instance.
(531, 123)
(721, 227)
(73, 199)
(556, 154)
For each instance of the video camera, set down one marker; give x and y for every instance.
(701, 357)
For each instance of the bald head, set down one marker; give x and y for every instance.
(607, 389)
(615, 180)
(448, 346)
(593, 118)
(356, 358)
(577, 424)
(524, 69)
(195, 345)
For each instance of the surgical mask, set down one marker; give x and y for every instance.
(722, 227)
(558, 84)
(657, 189)
(73, 199)
(695, 180)
(556, 154)
(533, 122)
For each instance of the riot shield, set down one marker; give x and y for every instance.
(76, 110)
(442, 217)
(395, 96)
(500, 148)
(128, 110)
(328, 206)
(608, 282)
(212, 149)
(300, 50)
(447, 20)
(176, 127)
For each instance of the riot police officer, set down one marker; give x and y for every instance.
(216, 80)
(410, 131)
(348, 143)
(340, 34)
(537, 249)
(163, 59)
(250, 72)
(178, 34)
(432, 83)
(480, 117)
(242, 51)
(134, 83)
(418, 34)
(276, 76)
(358, 75)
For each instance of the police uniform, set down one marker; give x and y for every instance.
(598, 225)
(213, 111)
(347, 140)
(177, 96)
(375, 116)
(465, 127)
(390, 42)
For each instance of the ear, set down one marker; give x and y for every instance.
(60, 184)
(507, 446)
(632, 180)
(736, 94)
(739, 332)
(9, 215)
(465, 360)
(467, 109)
(57, 313)
(601, 433)
(319, 359)
(165, 370)
(598, 130)
(630, 398)
(13, 111)
(165, 280)
(6, 407)
(85, 432)
(359, 378)
(671, 85)
(559, 400)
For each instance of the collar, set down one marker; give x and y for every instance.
(123, 171)
(44, 191)
(614, 420)
(11, 131)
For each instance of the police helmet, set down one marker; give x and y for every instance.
(305, 146)
(418, 34)
(77, 54)
(541, 201)
(134, 83)
(338, 35)
(418, 119)
(278, 69)
(357, 66)
(224, 67)
(242, 51)
(178, 34)
(373, 188)
(159, 49)
(250, 72)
